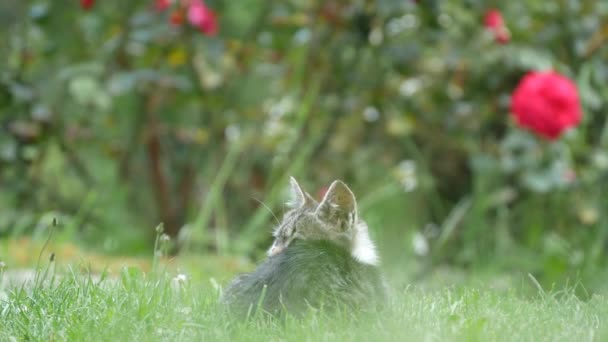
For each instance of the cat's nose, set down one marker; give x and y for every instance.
(274, 250)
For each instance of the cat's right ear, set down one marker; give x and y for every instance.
(339, 206)
(298, 198)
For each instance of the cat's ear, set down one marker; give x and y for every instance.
(339, 206)
(298, 198)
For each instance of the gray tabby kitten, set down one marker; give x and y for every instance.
(322, 256)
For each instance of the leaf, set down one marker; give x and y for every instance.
(589, 96)
(87, 90)
(531, 59)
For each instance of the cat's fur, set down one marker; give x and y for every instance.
(321, 256)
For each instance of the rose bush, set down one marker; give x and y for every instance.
(197, 12)
(407, 101)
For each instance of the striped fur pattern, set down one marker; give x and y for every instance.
(321, 256)
(307, 274)
(335, 219)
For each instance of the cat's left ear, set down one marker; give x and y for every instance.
(298, 197)
(339, 206)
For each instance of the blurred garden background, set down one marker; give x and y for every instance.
(116, 116)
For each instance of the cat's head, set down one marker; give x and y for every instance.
(334, 219)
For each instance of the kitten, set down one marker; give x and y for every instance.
(322, 255)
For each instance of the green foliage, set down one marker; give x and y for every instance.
(115, 120)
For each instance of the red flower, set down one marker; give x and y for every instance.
(162, 5)
(202, 17)
(546, 103)
(494, 22)
(493, 19)
(87, 4)
(177, 17)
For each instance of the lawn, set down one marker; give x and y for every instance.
(162, 306)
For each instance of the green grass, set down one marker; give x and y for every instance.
(147, 307)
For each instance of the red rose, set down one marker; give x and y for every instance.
(546, 103)
(87, 4)
(162, 5)
(493, 19)
(202, 17)
(494, 22)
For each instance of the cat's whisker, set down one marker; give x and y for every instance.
(269, 210)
